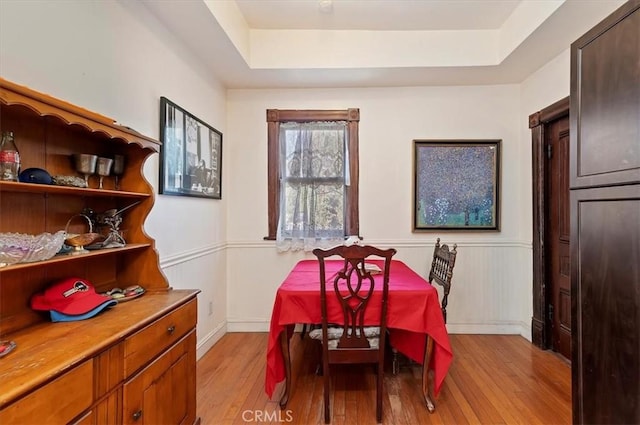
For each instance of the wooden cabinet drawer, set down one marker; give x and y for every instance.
(89, 418)
(147, 343)
(164, 391)
(58, 402)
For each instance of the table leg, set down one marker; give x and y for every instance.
(426, 376)
(284, 345)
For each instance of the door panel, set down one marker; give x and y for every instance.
(167, 396)
(607, 288)
(605, 104)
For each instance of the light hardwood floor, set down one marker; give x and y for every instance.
(494, 379)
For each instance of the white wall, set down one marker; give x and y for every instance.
(492, 290)
(489, 272)
(116, 59)
(545, 86)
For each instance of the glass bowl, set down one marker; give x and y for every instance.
(24, 248)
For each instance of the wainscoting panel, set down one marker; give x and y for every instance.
(491, 286)
(204, 269)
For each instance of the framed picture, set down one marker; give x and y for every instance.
(456, 185)
(190, 155)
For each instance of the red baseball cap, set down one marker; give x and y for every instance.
(73, 296)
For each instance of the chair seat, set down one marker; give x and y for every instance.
(334, 332)
(372, 333)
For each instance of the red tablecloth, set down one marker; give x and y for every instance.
(413, 311)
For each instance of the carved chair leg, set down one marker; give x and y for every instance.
(395, 364)
(284, 346)
(379, 383)
(427, 376)
(319, 358)
(327, 413)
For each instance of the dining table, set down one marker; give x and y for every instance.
(415, 323)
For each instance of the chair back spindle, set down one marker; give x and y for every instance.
(442, 271)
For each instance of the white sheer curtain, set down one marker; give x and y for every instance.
(313, 175)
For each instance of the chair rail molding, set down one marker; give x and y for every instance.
(403, 243)
(186, 256)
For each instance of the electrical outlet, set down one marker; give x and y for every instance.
(210, 308)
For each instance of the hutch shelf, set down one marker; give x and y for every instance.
(123, 365)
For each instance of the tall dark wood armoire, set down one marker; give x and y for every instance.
(605, 220)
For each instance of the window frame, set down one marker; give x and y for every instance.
(277, 116)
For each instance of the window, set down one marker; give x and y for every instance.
(312, 174)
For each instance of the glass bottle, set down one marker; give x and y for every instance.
(9, 158)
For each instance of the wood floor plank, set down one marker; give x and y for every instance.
(529, 386)
(338, 399)
(509, 385)
(303, 372)
(487, 369)
(493, 379)
(396, 404)
(461, 401)
(243, 378)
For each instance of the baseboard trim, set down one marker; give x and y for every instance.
(210, 340)
(500, 328)
(256, 325)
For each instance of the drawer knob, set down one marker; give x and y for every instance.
(137, 415)
(171, 329)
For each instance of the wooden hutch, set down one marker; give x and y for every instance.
(133, 363)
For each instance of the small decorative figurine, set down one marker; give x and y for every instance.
(109, 223)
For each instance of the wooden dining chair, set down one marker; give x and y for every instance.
(353, 287)
(441, 272)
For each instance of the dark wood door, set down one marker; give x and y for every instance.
(557, 252)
